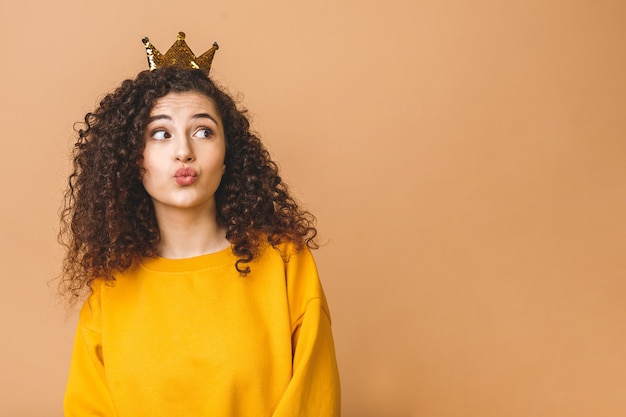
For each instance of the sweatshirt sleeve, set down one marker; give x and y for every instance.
(86, 394)
(314, 389)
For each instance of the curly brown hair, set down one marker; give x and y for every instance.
(108, 220)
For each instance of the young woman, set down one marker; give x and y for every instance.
(203, 297)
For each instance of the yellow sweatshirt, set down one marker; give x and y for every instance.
(192, 338)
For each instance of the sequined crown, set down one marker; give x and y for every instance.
(179, 55)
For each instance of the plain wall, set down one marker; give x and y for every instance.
(465, 159)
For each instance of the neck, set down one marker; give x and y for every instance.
(187, 233)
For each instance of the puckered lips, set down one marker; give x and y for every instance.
(185, 176)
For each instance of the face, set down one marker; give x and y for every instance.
(183, 158)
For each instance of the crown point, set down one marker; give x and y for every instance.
(179, 55)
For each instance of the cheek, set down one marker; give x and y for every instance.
(149, 161)
(144, 167)
(149, 171)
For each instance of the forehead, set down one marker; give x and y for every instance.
(187, 102)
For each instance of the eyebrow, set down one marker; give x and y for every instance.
(205, 116)
(195, 116)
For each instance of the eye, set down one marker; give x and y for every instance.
(160, 135)
(204, 132)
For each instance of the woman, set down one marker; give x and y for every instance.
(204, 298)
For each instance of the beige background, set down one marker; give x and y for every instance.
(466, 160)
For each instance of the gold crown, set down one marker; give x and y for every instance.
(179, 55)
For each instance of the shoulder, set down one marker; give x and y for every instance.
(301, 273)
(296, 261)
(90, 313)
(289, 250)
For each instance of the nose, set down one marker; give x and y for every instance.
(184, 150)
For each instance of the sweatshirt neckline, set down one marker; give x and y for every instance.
(207, 261)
